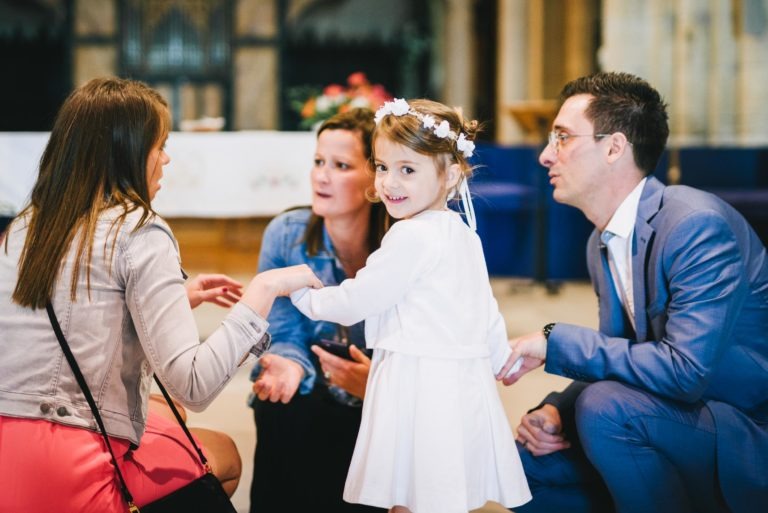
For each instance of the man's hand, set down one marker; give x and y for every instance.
(350, 375)
(532, 348)
(218, 289)
(279, 378)
(541, 431)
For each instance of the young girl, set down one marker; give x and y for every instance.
(434, 436)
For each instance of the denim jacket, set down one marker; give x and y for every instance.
(292, 333)
(133, 321)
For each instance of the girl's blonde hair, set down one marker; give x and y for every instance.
(410, 131)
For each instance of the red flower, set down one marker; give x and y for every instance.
(333, 90)
(357, 79)
(335, 98)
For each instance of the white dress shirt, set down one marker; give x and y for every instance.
(617, 237)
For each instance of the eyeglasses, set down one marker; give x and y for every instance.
(558, 139)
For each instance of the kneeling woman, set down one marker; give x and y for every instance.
(90, 244)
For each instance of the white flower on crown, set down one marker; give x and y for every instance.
(443, 129)
(465, 146)
(400, 107)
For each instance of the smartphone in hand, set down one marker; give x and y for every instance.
(335, 348)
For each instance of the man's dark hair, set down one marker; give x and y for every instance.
(625, 103)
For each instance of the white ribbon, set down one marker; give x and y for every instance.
(466, 204)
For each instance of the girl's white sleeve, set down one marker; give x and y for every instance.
(405, 253)
(498, 342)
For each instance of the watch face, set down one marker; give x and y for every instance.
(262, 345)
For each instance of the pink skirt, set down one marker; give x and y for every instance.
(47, 467)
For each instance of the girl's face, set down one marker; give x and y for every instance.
(409, 182)
(155, 161)
(340, 175)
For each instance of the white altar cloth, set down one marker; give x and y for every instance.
(212, 174)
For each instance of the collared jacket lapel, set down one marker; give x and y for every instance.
(613, 322)
(650, 203)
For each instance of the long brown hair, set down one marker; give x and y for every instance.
(95, 159)
(360, 122)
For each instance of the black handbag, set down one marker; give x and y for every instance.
(203, 495)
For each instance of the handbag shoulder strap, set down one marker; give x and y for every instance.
(88, 397)
(183, 425)
(94, 409)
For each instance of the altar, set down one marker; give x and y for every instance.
(211, 174)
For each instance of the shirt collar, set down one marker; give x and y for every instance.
(623, 221)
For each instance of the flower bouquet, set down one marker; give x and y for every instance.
(316, 106)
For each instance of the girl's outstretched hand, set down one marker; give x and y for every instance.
(268, 285)
(285, 280)
(218, 289)
(279, 378)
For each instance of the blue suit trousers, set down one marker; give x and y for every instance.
(638, 453)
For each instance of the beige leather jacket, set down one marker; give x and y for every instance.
(134, 321)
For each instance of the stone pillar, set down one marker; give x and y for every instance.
(458, 46)
(752, 74)
(626, 34)
(512, 68)
(95, 46)
(709, 59)
(691, 64)
(580, 32)
(721, 103)
(256, 93)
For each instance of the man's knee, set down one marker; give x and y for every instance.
(602, 407)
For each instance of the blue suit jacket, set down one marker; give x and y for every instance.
(700, 278)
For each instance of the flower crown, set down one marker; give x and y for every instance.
(400, 107)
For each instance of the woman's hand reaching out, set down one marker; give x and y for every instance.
(279, 379)
(218, 289)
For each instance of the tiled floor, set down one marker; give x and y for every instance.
(525, 308)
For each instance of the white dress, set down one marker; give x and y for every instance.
(434, 436)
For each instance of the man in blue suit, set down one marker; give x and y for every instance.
(669, 407)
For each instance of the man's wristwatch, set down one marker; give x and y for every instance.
(546, 330)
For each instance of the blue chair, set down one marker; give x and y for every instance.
(524, 232)
(505, 197)
(738, 175)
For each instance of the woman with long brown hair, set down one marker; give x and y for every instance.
(90, 244)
